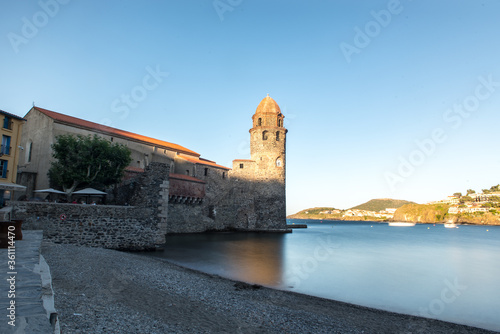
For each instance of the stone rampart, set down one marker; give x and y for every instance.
(115, 227)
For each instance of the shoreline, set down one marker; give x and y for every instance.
(392, 220)
(102, 290)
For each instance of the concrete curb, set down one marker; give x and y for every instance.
(27, 276)
(48, 293)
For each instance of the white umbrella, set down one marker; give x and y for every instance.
(49, 190)
(89, 191)
(12, 186)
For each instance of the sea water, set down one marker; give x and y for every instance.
(451, 274)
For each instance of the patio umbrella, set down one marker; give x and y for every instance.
(49, 190)
(12, 186)
(90, 191)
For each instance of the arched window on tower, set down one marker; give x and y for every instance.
(259, 122)
(277, 136)
(279, 163)
(279, 123)
(264, 135)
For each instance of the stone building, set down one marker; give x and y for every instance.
(265, 172)
(202, 195)
(43, 126)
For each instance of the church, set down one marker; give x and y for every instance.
(202, 195)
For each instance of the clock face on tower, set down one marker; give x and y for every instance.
(279, 163)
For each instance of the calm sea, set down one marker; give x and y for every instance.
(451, 274)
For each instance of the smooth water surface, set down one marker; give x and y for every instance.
(432, 271)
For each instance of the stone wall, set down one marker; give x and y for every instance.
(115, 227)
(141, 226)
(151, 192)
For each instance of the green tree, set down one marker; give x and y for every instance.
(470, 191)
(457, 195)
(87, 161)
(494, 198)
(495, 188)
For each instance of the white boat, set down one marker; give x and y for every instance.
(450, 225)
(401, 224)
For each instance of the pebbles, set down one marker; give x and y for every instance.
(106, 291)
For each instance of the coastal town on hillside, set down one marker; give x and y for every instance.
(486, 201)
(472, 204)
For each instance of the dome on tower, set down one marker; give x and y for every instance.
(268, 105)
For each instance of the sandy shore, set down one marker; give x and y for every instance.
(106, 291)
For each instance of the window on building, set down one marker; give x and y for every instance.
(279, 163)
(277, 136)
(264, 135)
(211, 211)
(30, 149)
(259, 122)
(223, 175)
(206, 171)
(3, 168)
(279, 123)
(241, 165)
(5, 145)
(7, 123)
(187, 171)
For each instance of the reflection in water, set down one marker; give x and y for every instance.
(249, 257)
(399, 269)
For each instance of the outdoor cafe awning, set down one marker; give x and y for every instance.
(12, 186)
(90, 191)
(49, 190)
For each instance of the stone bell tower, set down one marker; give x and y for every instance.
(260, 181)
(267, 142)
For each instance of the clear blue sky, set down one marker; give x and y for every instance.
(358, 81)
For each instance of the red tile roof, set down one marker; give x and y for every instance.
(201, 161)
(185, 177)
(268, 105)
(247, 160)
(65, 119)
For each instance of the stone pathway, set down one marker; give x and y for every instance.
(34, 300)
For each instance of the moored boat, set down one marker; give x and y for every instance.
(401, 224)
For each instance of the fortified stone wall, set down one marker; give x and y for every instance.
(200, 216)
(115, 227)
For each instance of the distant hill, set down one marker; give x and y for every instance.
(381, 204)
(315, 213)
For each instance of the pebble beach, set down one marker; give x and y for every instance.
(107, 291)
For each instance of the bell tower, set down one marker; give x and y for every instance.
(268, 142)
(259, 188)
